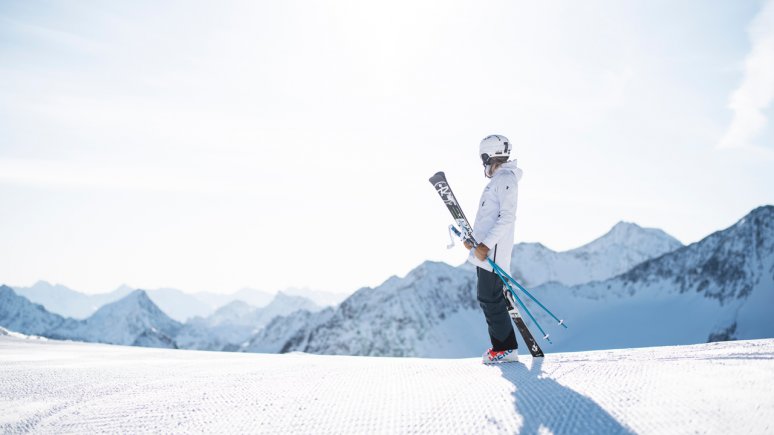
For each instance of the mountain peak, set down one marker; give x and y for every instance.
(135, 302)
(122, 321)
(139, 296)
(625, 226)
(630, 234)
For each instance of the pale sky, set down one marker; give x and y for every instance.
(220, 145)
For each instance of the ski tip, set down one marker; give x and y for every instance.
(436, 176)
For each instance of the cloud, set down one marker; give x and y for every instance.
(756, 92)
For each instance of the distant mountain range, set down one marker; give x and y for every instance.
(177, 304)
(234, 323)
(135, 320)
(132, 320)
(631, 287)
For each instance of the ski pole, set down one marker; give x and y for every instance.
(502, 272)
(561, 322)
(507, 284)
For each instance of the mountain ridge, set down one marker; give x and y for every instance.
(618, 250)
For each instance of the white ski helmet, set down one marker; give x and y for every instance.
(494, 146)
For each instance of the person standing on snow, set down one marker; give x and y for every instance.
(494, 228)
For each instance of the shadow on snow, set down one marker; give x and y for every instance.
(545, 403)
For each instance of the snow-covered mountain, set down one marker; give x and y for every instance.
(18, 314)
(233, 324)
(284, 304)
(622, 248)
(177, 304)
(284, 332)
(136, 320)
(430, 312)
(133, 320)
(717, 288)
(67, 302)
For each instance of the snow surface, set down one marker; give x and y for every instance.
(56, 387)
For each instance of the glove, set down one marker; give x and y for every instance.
(468, 245)
(481, 252)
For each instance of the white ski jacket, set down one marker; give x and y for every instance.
(496, 217)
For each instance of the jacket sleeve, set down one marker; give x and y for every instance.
(507, 195)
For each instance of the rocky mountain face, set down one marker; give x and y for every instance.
(726, 266)
(402, 317)
(18, 314)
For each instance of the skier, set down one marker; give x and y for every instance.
(494, 228)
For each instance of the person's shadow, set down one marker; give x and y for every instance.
(544, 403)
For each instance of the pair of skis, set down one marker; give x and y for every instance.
(465, 232)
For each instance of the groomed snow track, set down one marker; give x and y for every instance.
(65, 387)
